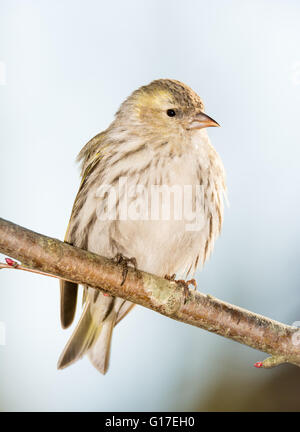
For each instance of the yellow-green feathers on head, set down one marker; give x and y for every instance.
(146, 118)
(166, 93)
(149, 104)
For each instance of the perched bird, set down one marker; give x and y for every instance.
(158, 138)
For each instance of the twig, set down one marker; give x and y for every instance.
(20, 267)
(51, 257)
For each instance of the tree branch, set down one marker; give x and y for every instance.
(45, 255)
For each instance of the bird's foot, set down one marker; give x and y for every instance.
(184, 284)
(171, 278)
(124, 262)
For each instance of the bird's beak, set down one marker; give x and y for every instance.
(201, 121)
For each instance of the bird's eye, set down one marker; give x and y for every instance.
(171, 113)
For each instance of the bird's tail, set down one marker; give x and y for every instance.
(91, 336)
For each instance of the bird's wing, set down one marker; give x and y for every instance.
(124, 310)
(90, 156)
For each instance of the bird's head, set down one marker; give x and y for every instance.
(165, 110)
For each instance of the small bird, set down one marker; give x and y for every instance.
(157, 139)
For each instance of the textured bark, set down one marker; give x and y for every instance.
(56, 258)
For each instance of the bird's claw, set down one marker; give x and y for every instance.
(184, 284)
(171, 278)
(124, 261)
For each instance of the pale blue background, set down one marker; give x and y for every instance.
(69, 64)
